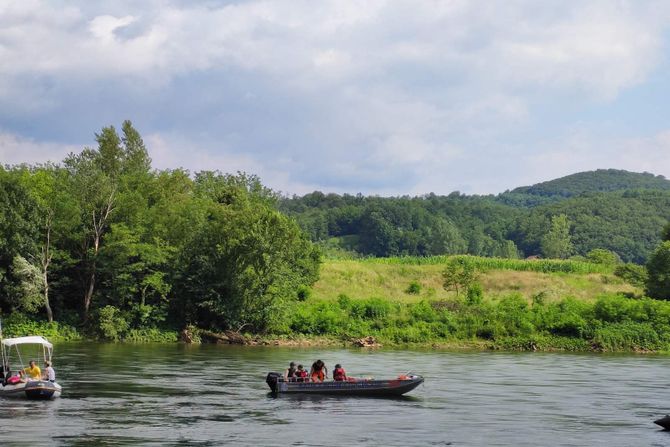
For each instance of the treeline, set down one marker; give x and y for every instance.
(103, 241)
(614, 210)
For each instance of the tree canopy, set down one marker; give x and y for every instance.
(106, 240)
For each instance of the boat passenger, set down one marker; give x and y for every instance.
(300, 374)
(33, 371)
(319, 372)
(289, 374)
(49, 373)
(339, 374)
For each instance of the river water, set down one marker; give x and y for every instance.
(213, 395)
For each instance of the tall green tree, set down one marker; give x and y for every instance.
(557, 242)
(658, 269)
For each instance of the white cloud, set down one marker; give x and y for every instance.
(15, 149)
(404, 95)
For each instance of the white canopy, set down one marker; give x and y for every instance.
(32, 340)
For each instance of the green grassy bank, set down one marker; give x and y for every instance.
(518, 305)
(521, 305)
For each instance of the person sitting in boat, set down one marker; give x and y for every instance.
(289, 374)
(12, 379)
(339, 374)
(319, 372)
(32, 372)
(300, 374)
(49, 373)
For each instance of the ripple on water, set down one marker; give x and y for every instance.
(130, 395)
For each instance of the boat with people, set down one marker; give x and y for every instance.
(351, 387)
(27, 382)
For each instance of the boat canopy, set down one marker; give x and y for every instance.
(32, 340)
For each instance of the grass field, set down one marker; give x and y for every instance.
(389, 278)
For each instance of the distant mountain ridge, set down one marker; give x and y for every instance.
(600, 180)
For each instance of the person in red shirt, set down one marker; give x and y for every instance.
(339, 374)
(300, 374)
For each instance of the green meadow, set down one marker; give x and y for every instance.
(516, 305)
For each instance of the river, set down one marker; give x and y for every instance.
(213, 395)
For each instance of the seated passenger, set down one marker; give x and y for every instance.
(318, 373)
(49, 373)
(289, 374)
(339, 374)
(33, 371)
(12, 379)
(300, 374)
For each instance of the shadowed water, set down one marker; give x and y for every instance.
(213, 395)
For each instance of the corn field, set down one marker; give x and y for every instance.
(485, 264)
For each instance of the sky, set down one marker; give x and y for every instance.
(378, 97)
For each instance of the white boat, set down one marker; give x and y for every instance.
(28, 388)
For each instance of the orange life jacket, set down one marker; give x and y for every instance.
(339, 374)
(318, 376)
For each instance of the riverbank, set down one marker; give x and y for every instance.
(516, 305)
(610, 323)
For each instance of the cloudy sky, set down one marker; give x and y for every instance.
(380, 97)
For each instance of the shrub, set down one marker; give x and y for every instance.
(603, 256)
(303, 293)
(475, 294)
(414, 288)
(111, 324)
(632, 273)
(627, 336)
(376, 308)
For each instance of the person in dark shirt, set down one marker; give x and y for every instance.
(289, 374)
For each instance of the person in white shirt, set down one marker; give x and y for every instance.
(49, 373)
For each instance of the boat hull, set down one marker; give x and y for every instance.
(663, 422)
(34, 390)
(361, 387)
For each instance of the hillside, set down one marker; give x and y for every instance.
(363, 279)
(601, 180)
(616, 210)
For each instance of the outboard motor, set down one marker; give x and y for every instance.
(272, 380)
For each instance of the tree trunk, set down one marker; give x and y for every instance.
(47, 306)
(88, 296)
(46, 261)
(99, 223)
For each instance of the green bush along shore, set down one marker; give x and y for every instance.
(609, 323)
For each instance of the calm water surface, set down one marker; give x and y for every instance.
(214, 395)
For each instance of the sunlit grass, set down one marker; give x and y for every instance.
(360, 279)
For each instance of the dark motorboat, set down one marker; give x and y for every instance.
(663, 422)
(352, 387)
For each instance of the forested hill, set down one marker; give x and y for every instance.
(601, 180)
(612, 209)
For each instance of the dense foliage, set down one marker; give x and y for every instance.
(606, 209)
(610, 323)
(105, 241)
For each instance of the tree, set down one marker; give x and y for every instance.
(557, 242)
(92, 183)
(56, 215)
(665, 234)
(30, 284)
(658, 268)
(459, 275)
(244, 262)
(603, 256)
